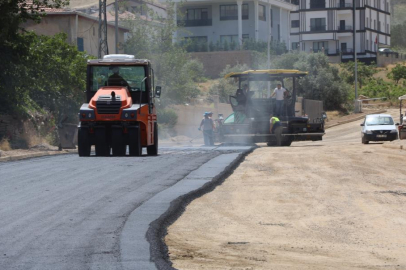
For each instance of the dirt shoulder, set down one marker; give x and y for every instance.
(335, 204)
(35, 151)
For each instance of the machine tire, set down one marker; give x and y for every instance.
(102, 146)
(364, 141)
(152, 150)
(134, 144)
(84, 145)
(287, 143)
(117, 142)
(278, 136)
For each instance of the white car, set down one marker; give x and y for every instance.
(378, 127)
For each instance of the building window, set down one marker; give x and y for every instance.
(295, 24)
(295, 46)
(197, 14)
(321, 46)
(318, 24)
(317, 3)
(230, 12)
(375, 24)
(261, 12)
(80, 44)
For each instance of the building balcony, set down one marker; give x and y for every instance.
(194, 23)
(344, 28)
(344, 5)
(318, 28)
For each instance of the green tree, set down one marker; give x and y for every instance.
(397, 73)
(365, 72)
(153, 40)
(323, 82)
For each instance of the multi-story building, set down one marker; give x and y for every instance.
(234, 21)
(328, 25)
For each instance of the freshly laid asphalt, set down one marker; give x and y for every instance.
(66, 212)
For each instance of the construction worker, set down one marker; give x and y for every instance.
(275, 122)
(279, 93)
(208, 127)
(115, 79)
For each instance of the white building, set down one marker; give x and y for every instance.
(327, 25)
(234, 21)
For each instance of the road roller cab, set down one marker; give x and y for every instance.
(120, 109)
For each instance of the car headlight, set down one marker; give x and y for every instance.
(393, 131)
(368, 132)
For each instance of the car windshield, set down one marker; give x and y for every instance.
(379, 120)
(130, 76)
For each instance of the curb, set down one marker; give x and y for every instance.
(158, 229)
(354, 119)
(34, 155)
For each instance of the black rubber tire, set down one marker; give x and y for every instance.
(278, 135)
(101, 145)
(152, 150)
(117, 142)
(84, 145)
(364, 141)
(134, 145)
(287, 143)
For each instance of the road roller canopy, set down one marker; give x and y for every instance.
(267, 74)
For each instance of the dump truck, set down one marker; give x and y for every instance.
(120, 108)
(250, 122)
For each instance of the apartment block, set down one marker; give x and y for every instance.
(235, 21)
(328, 26)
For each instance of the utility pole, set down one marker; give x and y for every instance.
(269, 46)
(103, 46)
(354, 17)
(116, 12)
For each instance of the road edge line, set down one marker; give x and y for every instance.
(158, 229)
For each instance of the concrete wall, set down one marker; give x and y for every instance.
(387, 59)
(215, 62)
(189, 117)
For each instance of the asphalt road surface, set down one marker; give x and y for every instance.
(66, 212)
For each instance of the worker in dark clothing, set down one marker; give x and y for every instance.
(240, 96)
(115, 79)
(208, 126)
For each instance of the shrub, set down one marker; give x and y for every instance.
(167, 117)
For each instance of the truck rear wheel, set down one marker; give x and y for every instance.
(83, 142)
(102, 146)
(117, 142)
(152, 150)
(134, 144)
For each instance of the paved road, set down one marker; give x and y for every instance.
(66, 212)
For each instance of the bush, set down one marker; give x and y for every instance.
(167, 117)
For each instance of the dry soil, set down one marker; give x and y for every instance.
(335, 204)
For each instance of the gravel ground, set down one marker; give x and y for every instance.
(335, 204)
